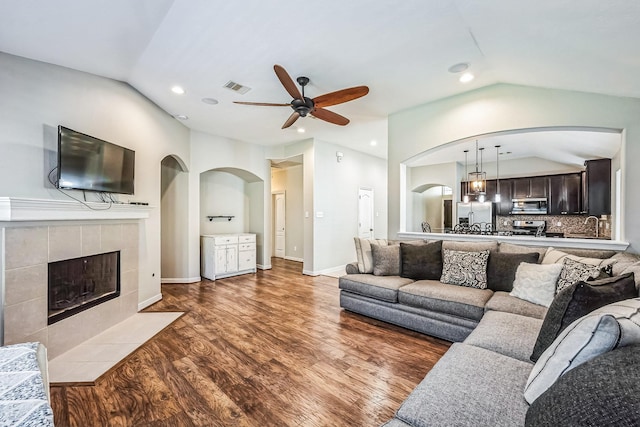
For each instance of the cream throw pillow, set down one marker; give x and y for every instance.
(536, 283)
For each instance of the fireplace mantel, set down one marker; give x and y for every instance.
(25, 209)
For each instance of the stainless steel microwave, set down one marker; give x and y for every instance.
(529, 206)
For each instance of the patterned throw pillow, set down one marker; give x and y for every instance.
(465, 268)
(576, 271)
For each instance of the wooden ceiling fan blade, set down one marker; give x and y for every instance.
(287, 82)
(291, 120)
(330, 116)
(340, 96)
(263, 104)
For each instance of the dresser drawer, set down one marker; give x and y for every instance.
(225, 240)
(246, 238)
(247, 247)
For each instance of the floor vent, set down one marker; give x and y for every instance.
(237, 87)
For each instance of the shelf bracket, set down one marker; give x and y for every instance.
(228, 217)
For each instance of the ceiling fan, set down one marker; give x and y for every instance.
(303, 105)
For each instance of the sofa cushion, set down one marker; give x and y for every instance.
(577, 300)
(502, 301)
(555, 256)
(502, 266)
(601, 392)
(506, 333)
(576, 271)
(455, 245)
(465, 268)
(536, 283)
(614, 325)
(510, 248)
(384, 288)
(434, 295)
(469, 386)
(420, 262)
(363, 253)
(386, 260)
(623, 260)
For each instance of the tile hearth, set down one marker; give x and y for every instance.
(88, 361)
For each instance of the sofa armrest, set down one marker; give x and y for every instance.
(352, 268)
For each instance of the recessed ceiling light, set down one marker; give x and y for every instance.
(181, 117)
(177, 90)
(466, 78)
(373, 143)
(301, 130)
(210, 101)
(458, 68)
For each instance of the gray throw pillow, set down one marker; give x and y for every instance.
(421, 262)
(609, 327)
(502, 266)
(579, 299)
(600, 392)
(465, 268)
(386, 260)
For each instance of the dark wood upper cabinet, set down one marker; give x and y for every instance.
(565, 194)
(536, 187)
(597, 189)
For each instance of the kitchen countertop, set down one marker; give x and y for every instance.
(558, 242)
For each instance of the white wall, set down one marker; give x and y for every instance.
(336, 187)
(174, 214)
(222, 193)
(290, 180)
(214, 152)
(509, 107)
(37, 97)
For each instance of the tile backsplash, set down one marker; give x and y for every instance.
(569, 224)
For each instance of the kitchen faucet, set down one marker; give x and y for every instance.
(597, 223)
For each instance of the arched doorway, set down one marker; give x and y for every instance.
(174, 186)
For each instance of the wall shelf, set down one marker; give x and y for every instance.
(228, 217)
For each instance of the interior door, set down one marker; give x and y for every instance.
(365, 213)
(280, 231)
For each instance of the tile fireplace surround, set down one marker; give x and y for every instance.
(36, 232)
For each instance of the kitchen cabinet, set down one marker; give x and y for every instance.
(565, 194)
(224, 255)
(597, 187)
(535, 187)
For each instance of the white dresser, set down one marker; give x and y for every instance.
(224, 255)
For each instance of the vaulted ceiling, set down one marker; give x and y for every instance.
(402, 50)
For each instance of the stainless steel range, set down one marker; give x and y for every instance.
(529, 228)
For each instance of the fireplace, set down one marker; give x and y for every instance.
(77, 284)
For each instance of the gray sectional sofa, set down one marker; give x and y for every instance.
(481, 379)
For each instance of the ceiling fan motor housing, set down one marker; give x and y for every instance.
(302, 106)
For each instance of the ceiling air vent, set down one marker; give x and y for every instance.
(237, 87)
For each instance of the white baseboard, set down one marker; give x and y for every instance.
(292, 258)
(170, 280)
(325, 271)
(263, 267)
(144, 304)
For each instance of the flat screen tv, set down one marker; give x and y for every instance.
(88, 163)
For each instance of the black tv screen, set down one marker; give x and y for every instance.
(88, 163)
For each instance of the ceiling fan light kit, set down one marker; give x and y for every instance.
(303, 105)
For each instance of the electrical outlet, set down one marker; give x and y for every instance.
(505, 222)
(558, 224)
(295, 249)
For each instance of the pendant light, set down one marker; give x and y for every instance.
(465, 197)
(497, 198)
(478, 178)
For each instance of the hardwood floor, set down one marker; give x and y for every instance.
(269, 349)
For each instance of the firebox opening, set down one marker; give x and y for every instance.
(78, 284)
